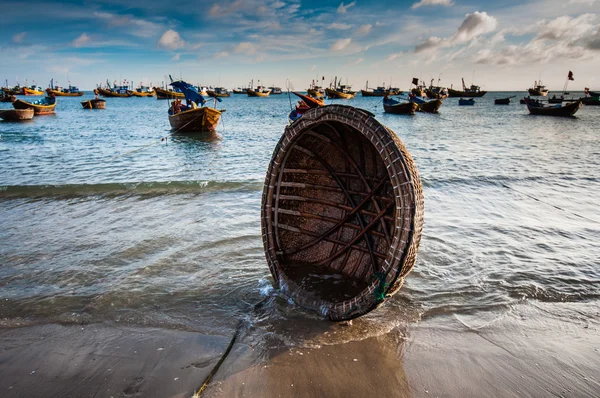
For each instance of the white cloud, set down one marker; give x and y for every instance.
(473, 26)
(81, 41)
(364, 29)
(19, 37)
(422, 3)
(392, 57)
(221, 54)
(342, 9)
(583, 2)
(339, 26)
(176, 57)
(340, 44)
(358, 61)
(170, 40)
(245, 48)
(135, 26)
(313, 68)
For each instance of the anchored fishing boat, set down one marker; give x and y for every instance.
(592, 93)
(16, 115)
(143, 91)
(315, 91)
(260, 91)
(427, 106)
(538, 108)
(380, 91)
(240, 90)
(339, 90)
(218, 92)
(595, 101)
(44, 106)
(114, 91)
(6, 97)
(71, 91)
(33, 90)
(189, 117)
(399, 108)
(468, 92)
(275, 90)
(538, 89)
(304, 105)
(94, 104)
(163, 93)
(503, 101)
(468, 102)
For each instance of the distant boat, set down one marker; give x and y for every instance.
(275, 90)
(191, 118)
(537, 108)
(467, 92)
(419, 90)
(218, 92)
(538, 90)
(162, 93)
(427, 106)
(16, 115)
(33, 90)
(436, 92)
(304, 104)
(592, 93)
(315, 90)
(590, 100)
(469, 101)
(114, 91)
(380, 91)
(44, 106)
(143, 91)
(503, 101)
(58, 91)
(6, 97)
(339, 90)
(94, 104)
(260, 91)
(240, 90)
(399, 108)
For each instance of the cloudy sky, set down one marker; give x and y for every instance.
(500, 45)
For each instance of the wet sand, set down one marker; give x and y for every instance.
(509, 355)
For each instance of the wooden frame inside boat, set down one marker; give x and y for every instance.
(342, 212)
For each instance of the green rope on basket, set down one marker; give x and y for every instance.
(380, 290)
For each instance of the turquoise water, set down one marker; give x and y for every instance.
(169, 235)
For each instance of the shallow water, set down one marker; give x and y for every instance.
(170, 235)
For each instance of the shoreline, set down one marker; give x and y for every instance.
(513, 355)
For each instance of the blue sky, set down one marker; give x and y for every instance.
(500, 44)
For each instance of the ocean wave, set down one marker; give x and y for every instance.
(155, 188)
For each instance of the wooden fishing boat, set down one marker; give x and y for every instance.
(537, 108)
(305, 104)
(6, 97)
(431, 106)
(190, 118)
(503, 101)
(339, 90)
(315, 91)
(16, 115)
(94, 104)
(44, 106)
(240, 90)
(592, 93)
(538, 90)
(275, 90)
(560, 100)
(218, 92)
(143, 91)
(467, 92)
(260, 91)
(399, 108)
(33, 91)
(380, 91)
(594, 101)
(469, 101)
(71, 91)
(162, 93)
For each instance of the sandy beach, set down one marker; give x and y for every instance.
(516, 354)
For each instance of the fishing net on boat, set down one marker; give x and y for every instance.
(342, 212)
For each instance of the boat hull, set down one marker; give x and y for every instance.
(432, 106)
(315, 93)
(199, 120)
(94, 104)
(143, 94)
(63, 94)
(590, 100)
(37, 109)
(538, 93)
(28, 91)
(463, 102)
(564, 111)
(107, 93)
(166, 94)
(366, 93)
(408, 108)
(331, 93)
(214, 94)
(465, 94)
(252, 93)
(502, 101)
(16, 115)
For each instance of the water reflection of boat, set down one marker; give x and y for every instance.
(191, 118)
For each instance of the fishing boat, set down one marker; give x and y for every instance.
(94, 104)
(436, 92)
(275, 90)
(6, 97)
(380, 91)
(58, 91)
(44, 106)
(590, 101)
(260, 91)
(143, 91)
(419, 90)
(503, 101)
(468, 101)
(315, 91)
(424, 105)
(162, 93)
(538, 90)
(240, 90)
(192, 118)
(33, 90)
(538, 108)
(339, 90)
(399, 108)
(304, 104)
(218, 92)
(467, 92)
(592, 93)
(202, 90)
(16, 115)
(114, 91)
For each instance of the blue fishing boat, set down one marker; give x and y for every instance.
(469, 101)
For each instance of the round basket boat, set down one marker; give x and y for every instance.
(342, 212)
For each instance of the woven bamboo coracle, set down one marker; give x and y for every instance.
(342, 212)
